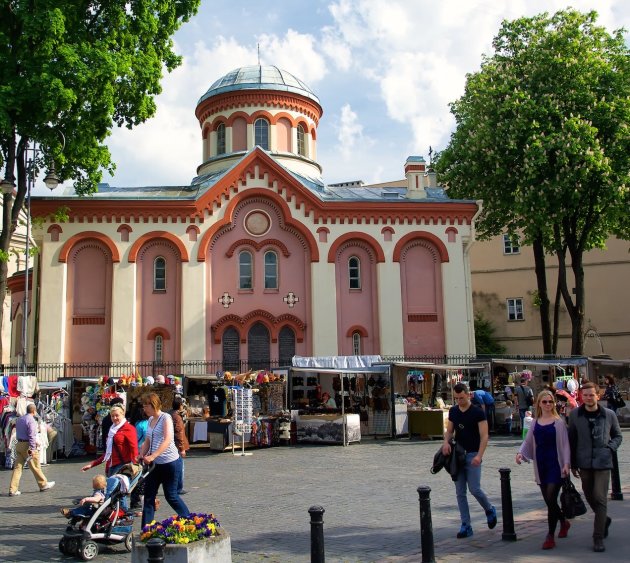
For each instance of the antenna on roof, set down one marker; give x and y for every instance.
(258, 49)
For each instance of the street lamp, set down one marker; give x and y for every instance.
(52, 181)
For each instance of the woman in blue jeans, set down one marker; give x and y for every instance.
(159, 448)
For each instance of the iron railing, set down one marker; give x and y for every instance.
(54, 371)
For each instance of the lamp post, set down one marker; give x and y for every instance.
(52, 181)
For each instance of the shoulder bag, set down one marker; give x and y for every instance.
(571, 500)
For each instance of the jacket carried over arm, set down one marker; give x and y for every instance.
(593, 449)
(528, 447)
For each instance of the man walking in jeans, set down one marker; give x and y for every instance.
(594, 435)
(469, 426)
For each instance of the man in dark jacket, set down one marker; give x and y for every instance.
(179, 436)
(594, 435)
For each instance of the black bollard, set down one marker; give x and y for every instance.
(426, 525)
(507, 513)
(317, 534)
(615, 493)
(155, 547)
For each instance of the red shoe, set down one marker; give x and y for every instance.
(550, 543)
(564, 529)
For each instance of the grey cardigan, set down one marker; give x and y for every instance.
(593, 450)
(528, 447)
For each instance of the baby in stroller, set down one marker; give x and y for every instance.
(87, 505)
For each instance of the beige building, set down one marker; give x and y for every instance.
(504, 291)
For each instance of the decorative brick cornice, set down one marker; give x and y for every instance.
(72, 241)
(371, 242)
(154, 235)
(273, 324)
(258, 245)
(421, 235)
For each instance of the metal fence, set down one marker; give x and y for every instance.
(53, 372)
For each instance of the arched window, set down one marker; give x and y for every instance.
(354, 272)
(356, 343)
(271, 270)
(231, 350)
(286, 346)
(301, 141)
(158, 349)
(245, 270)
(261, 133)
(159, 274)
(221, 138)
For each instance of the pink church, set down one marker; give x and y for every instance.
(257, 259)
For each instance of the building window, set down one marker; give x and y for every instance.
(271, 270)
(261, 133)
(354, 272)
(515, 309)
(158, 349)
(301, 140)
(356, 343)
(510, 245)
(245, 270)
(159, 274)
(221, 139)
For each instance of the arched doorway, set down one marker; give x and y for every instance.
(258, 348)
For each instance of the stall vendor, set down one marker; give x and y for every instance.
(328, 401)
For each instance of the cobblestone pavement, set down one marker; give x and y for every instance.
(368, 491)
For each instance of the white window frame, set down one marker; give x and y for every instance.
(155, 274)
(271, 278)
(356, 343)
(515, 309)
(354, 277)
(301, 140)
(510, 246)
(158, 349)
(242, 274)
(259, 131)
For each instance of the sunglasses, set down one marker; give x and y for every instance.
(547, 402)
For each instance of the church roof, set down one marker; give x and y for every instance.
(259, 77)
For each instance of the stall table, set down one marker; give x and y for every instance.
(328, 428)
(427, 423)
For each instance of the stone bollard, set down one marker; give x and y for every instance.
(426, 525)
(615, 480)
(155, 547)
(507, 512)
(317, 534)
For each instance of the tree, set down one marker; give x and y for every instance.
(486, 342)
(542, 137)
(69, 71)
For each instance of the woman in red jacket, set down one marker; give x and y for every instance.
(121, 446)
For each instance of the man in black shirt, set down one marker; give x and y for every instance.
(468, 424)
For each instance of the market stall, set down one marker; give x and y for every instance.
(360, 404)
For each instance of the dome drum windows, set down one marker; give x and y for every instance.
(261, 133)
(301, 140)
(221, 146)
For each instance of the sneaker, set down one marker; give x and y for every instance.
(608, 523)
(15, 494)
(182, 493)
(549, 543)
(564, 529)
(465, 531)
(47, 486)
(492, 517)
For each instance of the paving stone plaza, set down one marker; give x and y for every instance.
(368, 491)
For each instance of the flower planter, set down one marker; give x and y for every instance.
(217, 549)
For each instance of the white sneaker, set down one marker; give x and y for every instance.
(47, 486)
(15, 494)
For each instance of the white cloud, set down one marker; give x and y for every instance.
(350, 133)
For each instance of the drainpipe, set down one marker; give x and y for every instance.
(468, 279)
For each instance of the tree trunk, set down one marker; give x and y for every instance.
(577, 319)
(556, 320)
(543, 296)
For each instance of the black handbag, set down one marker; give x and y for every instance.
(571, 500)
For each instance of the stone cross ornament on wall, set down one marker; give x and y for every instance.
(226, 300)
(291, 299)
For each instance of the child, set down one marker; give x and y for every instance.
(527, 422)
(86, 508)
(508, 417)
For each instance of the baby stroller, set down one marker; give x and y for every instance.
(110, 523)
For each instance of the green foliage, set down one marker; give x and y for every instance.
(485, 340)
(542, 132)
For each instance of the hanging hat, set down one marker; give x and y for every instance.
(150, 380)
(160, 379)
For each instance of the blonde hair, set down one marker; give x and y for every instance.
(99, 482)
(117, 407)
(546, 393)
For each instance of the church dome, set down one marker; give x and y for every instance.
(259, 77)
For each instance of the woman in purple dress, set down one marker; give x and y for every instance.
(547, 444)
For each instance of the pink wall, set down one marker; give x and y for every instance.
(158, 309)
(283, 134)
(357, 307)
(88, 303)
(293, 275)
(423, 318)
(239, 134)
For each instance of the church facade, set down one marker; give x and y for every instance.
(257, 259)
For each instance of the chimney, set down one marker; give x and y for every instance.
(432, 178)
(416, 179)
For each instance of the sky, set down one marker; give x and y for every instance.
(385, 72)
